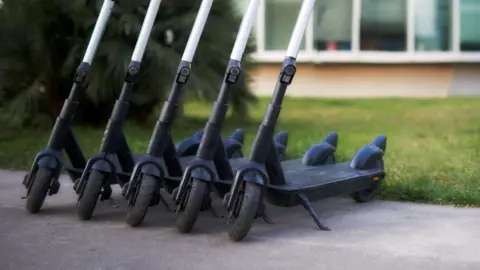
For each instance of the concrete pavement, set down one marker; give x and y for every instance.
(374, 236)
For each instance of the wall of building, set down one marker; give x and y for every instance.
(360, 80)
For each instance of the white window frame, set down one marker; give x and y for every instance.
(310, 55)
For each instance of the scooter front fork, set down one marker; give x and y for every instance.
(199, 171)
(100, 162)
(232, 201)
(47, 158)
(147, 165)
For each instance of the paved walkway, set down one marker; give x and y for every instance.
(375, 236)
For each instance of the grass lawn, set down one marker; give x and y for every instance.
(433, 148)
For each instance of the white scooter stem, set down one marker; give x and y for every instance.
(245, 28)
(197, 30)
(300, 28)
(97, 34)
(146, 30)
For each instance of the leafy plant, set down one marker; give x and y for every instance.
(43, 41)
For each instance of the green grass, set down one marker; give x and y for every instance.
(433, 149)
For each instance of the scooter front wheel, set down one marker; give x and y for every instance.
(137, 211)
(39, 190)
(88, 200)
(249, 203)
(194, 199)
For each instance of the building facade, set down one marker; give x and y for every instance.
(373, 48)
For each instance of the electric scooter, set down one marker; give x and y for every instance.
(115, 162)
(210, 170)
(42, 178)
(309, 179)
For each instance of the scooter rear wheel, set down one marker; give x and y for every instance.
(194, 199)
(136, 213)
(39, 190)
(248, 209)
(363, 195)
(88, 200)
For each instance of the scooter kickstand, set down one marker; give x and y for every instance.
(214, 213)
(262, 212)
(112, 203)
(306, 204)
(164, 202)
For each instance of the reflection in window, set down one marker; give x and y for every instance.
(383, 25)
(280, 18)
(333, 25)
(433, 22)
(469, 25)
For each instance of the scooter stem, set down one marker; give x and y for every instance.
(98, 30)
(262, 142)
(115, 124)
(63, 121)
(241, 43)
(158, 141)
(208, 145)
(92, 47)
(147, 26)
(190, 49)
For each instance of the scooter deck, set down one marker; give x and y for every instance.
(318, 182)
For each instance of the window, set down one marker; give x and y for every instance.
(383, 25)
(333, 25)
(280, 18)
(469, 25)
(433, 25)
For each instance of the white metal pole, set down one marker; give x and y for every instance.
(100, 26)
(197, 30)
(245, 28)
(300, 27)
(147, 26)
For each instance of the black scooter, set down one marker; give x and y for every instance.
(211, 170)
(48, 163)
(311, 178)
(115, 162)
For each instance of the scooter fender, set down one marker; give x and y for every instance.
(254, 176)
(202, 174)
(49, 159)
(151, 167)
(103, 165)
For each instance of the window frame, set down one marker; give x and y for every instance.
(310, 55)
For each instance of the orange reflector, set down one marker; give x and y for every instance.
(375, 178)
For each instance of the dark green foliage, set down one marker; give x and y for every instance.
(43, 41)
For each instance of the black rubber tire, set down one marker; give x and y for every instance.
(363, 196)
(248, 209)
(90, 196)
(39, 190)
(186, 219)
(136, 213)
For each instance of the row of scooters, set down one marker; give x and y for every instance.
(204, 164)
